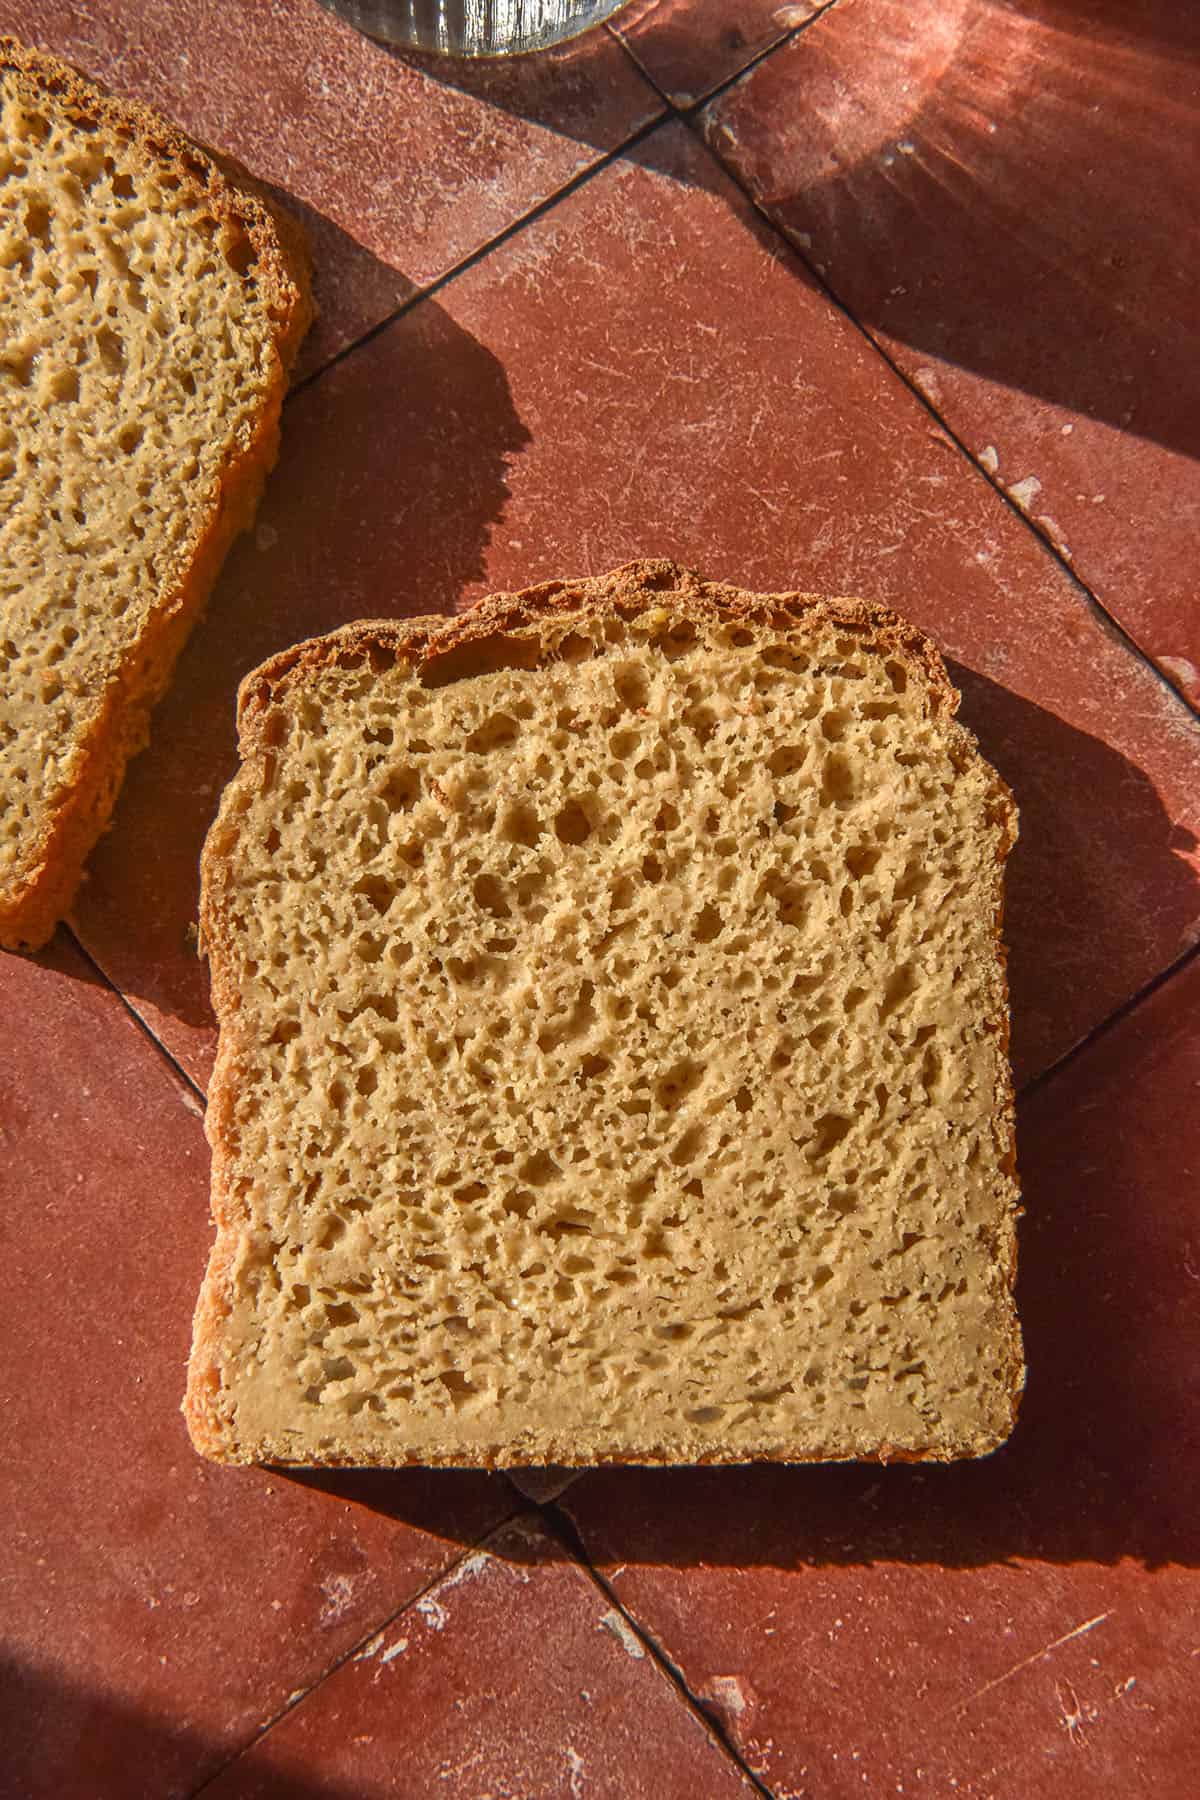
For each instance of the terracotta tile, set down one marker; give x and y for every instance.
(689, 47)
(1008, 197)
(156, 1610)
(1021, 1626)
(400, 171)
(513, 1676)
(521, 427)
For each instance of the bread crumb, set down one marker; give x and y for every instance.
(620, 1628)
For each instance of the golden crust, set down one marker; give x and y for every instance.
(629, 589)
(635, 588)
(29, 914)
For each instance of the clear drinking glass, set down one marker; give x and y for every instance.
(474, 27)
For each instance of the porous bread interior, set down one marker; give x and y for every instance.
(139, 359)
(612, 1058)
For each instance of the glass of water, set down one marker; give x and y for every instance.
(474, 27)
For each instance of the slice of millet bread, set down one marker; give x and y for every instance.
(151, 304)
(612, 1042)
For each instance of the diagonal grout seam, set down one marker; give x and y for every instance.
(356, 1647)
(431, 288)
(539, 211)
(135, 1015)
(639, 65)
(680, 110)
(563, 1528)
(1109, 1023)
(1106, 619)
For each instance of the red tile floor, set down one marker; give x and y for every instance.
(894, 297)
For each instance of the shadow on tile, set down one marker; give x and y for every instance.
(557, 89)
(97, 1742)
(1006, 185)
(1159, 23)
(426, 1499)
(1070, 915)
(355, 290)
(422, 1497)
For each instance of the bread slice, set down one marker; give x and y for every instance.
(150, 307)
(612, 1042)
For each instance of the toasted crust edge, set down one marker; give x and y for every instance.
(30, 912)
(636, 587)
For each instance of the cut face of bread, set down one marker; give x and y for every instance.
(149, 308)
(613, 1043)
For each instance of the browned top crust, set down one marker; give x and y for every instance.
(625, 591)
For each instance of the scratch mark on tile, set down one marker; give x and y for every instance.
(575, 1764)
(1074, 1715)
(1028, 1661)
(768, 505)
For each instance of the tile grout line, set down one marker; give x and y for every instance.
(432, 288)
(1107, 620)
(689, 116)
(671, 114)
(562, 1527)
(679, 110)
(339, 1662)
(168, 1056)
(628, 51)
(1109, 1023)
